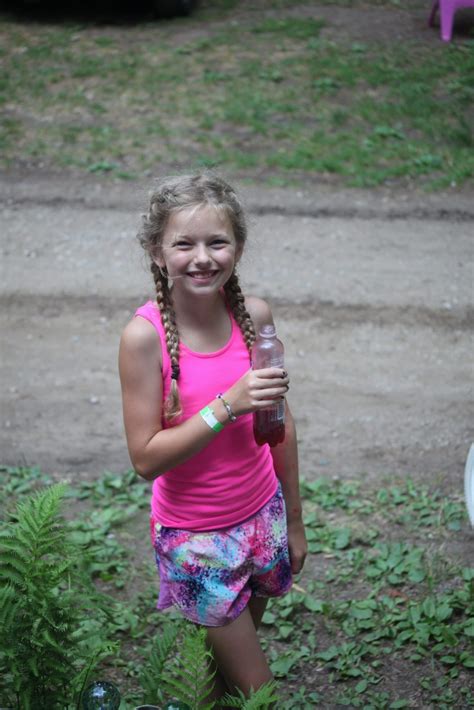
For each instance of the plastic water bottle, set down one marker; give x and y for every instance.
(269, 423)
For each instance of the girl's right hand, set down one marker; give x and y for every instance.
(257, 389)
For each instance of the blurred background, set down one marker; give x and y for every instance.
(361, 92)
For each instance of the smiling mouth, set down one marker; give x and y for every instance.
(202, 275)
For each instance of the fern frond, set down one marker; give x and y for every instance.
(33, 665)
(39, 509)
(31, 524)
(56, 570)
(55, 619)
(11, 575)
(80, 681)
(261, 699)
(150, 678)
(24, 538)
(8, 607)
(13, 559)
(192, 681)
(9, 544)
(37, 515)
(48, 541)
(13, 555)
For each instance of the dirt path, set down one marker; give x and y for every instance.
(372, 294)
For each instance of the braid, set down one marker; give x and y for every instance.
(236, 301)
(170, 196)
(163, 299)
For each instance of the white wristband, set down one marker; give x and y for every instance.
(210, 418)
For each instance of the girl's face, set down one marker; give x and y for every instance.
(198, 249)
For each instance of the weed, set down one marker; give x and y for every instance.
(368, 603)
(395, 562)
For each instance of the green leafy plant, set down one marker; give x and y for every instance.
(263, 698)
(151, 675)
(391, 598)
(47, 648)
(189, 677)
(396, 562)
(179, 665)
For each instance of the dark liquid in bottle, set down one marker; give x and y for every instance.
(266, 431)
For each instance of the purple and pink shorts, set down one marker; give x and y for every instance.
(210, 576)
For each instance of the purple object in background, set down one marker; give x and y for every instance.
(447, 10)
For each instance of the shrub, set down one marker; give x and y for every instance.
(50, 613)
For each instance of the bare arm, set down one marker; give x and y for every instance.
(154, 450)
(285, 460)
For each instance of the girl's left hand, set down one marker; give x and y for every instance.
(297, 545)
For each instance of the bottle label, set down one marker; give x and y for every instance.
(275, 362)
(277, 413)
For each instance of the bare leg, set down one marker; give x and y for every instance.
(257, 606)
(238, 653)
(218, 687)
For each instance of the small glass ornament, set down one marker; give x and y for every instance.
(101, 695)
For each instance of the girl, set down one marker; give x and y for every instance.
(226, 513)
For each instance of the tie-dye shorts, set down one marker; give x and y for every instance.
(210, 576)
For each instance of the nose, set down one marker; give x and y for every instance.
(201, 256)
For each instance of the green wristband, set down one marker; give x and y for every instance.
(210, 418)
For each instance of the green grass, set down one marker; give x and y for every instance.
(381, 618)
(272, 95)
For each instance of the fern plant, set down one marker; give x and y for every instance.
(262, 699)
(151, 675)
(179, 666)
(190, 679)
(47, 648)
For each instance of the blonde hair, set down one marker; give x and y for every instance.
(171, 195)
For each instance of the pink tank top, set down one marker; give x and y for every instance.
(232, 477)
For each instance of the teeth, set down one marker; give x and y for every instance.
(202, 275)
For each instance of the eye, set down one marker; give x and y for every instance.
(219, 242)
(182, 244)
